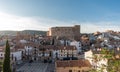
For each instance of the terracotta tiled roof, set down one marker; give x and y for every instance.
(66, 48)
(2, 49)
(59, 47)
(73, 63)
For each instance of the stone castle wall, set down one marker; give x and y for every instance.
(68, 32)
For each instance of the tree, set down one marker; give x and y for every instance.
(1, 65)
(43, 51)
(56, 55)
(67, 54)
(50, 54)
(53, 41)
(6, 62)
(113, 64)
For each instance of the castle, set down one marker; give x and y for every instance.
(65, 32)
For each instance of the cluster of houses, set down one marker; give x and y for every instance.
(68, 55)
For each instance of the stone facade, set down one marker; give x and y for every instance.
(73, 66)
(66, 32)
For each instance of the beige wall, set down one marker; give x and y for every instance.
(74, 69)
(69, 32)
(70, 52)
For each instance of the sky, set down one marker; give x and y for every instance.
(91, 15)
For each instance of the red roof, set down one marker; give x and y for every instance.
(73, 63)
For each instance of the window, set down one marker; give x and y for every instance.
(70, 70)
(82, 70)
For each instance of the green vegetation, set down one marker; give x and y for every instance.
(113, 62)
(6, 62)
(1, 63)
(31, 32)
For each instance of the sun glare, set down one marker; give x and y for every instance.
(7, 22)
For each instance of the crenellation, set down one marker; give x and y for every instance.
(68, 32)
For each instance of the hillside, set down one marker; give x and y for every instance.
(31, 32)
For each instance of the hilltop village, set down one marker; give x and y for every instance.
(65, 49)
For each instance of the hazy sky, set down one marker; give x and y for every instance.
(92, 15)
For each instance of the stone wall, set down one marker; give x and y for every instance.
(66, 32)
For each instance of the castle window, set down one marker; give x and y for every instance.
(58, 29)
(82, 70)
(70, 70)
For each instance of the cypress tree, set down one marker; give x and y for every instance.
(6, 62)
(53, 41)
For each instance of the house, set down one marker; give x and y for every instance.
(95, 59)
(77, 44)
(57, 51)
(65, 51)
(73, 66)
(15, 55)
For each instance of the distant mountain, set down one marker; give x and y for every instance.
(31, 32)
(34, 32)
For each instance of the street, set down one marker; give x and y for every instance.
(34, 67)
